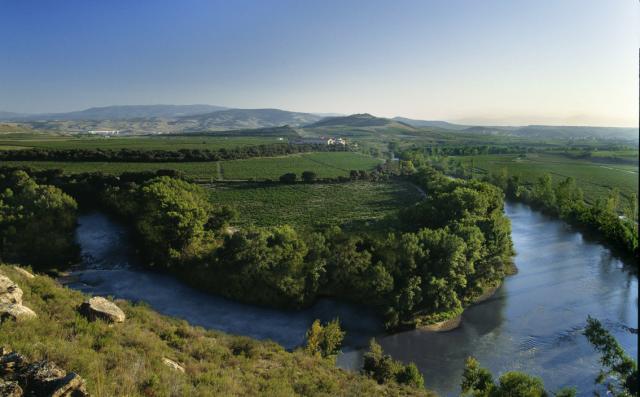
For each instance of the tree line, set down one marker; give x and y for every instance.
(564, 200)
(454, 246)
(163, 156)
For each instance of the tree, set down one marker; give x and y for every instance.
(410, 375)
(324, 341)
(478, 382)
(37, 222)
(620, 372)
(172, 218)
(288, 178)
(309, 176)
(314, 338)
(384, 369)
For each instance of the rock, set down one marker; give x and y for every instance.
(70, 385)
(99, 307)
(10, 362)
(9, 291)
(16, 312)
(10, 389)
(41, 378)
(23, 272)
(173, 364)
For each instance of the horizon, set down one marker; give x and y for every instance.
(335, 114)
(494, 64)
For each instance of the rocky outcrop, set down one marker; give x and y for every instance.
(101, 308)
(10, 389)
(23, 272)
(9, 291)
(18, 378)
(16, 312)
(172, 364)
(11, 302)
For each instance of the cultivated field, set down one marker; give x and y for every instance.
(596, 179)
(353, 205)
(20, 141)
(324, 164)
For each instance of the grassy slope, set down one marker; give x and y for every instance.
(126, 359)
(351, 205)
(330, 164)
(595, 179)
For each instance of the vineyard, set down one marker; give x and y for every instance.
(355, 205)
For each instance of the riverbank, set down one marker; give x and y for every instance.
(454, 322)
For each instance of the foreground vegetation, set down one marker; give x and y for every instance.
(127, 359)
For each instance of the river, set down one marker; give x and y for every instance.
(533, 323)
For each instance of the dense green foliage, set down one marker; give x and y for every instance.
(620, 373)
(456, 245)
(564, 196)
(127, 359)
(37, 222)
(385, 369)
(478, 382)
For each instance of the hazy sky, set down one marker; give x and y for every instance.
(489, 61)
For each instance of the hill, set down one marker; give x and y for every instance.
(137, 357)
(358, 120)
(430, 123)
(242, 119)
(124, 112)
(283, 131)
(577, 132)
(363, 125)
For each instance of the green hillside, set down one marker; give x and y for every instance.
(128, 359)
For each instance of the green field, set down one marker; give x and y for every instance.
(594, 178)
(21, 141)
(354, 205)
(324, 164)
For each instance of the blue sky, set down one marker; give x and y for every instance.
(490, 62)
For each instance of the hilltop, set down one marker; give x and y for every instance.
(243, 119)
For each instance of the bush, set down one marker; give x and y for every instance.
(288, 178)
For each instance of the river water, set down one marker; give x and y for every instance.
(533, 323)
